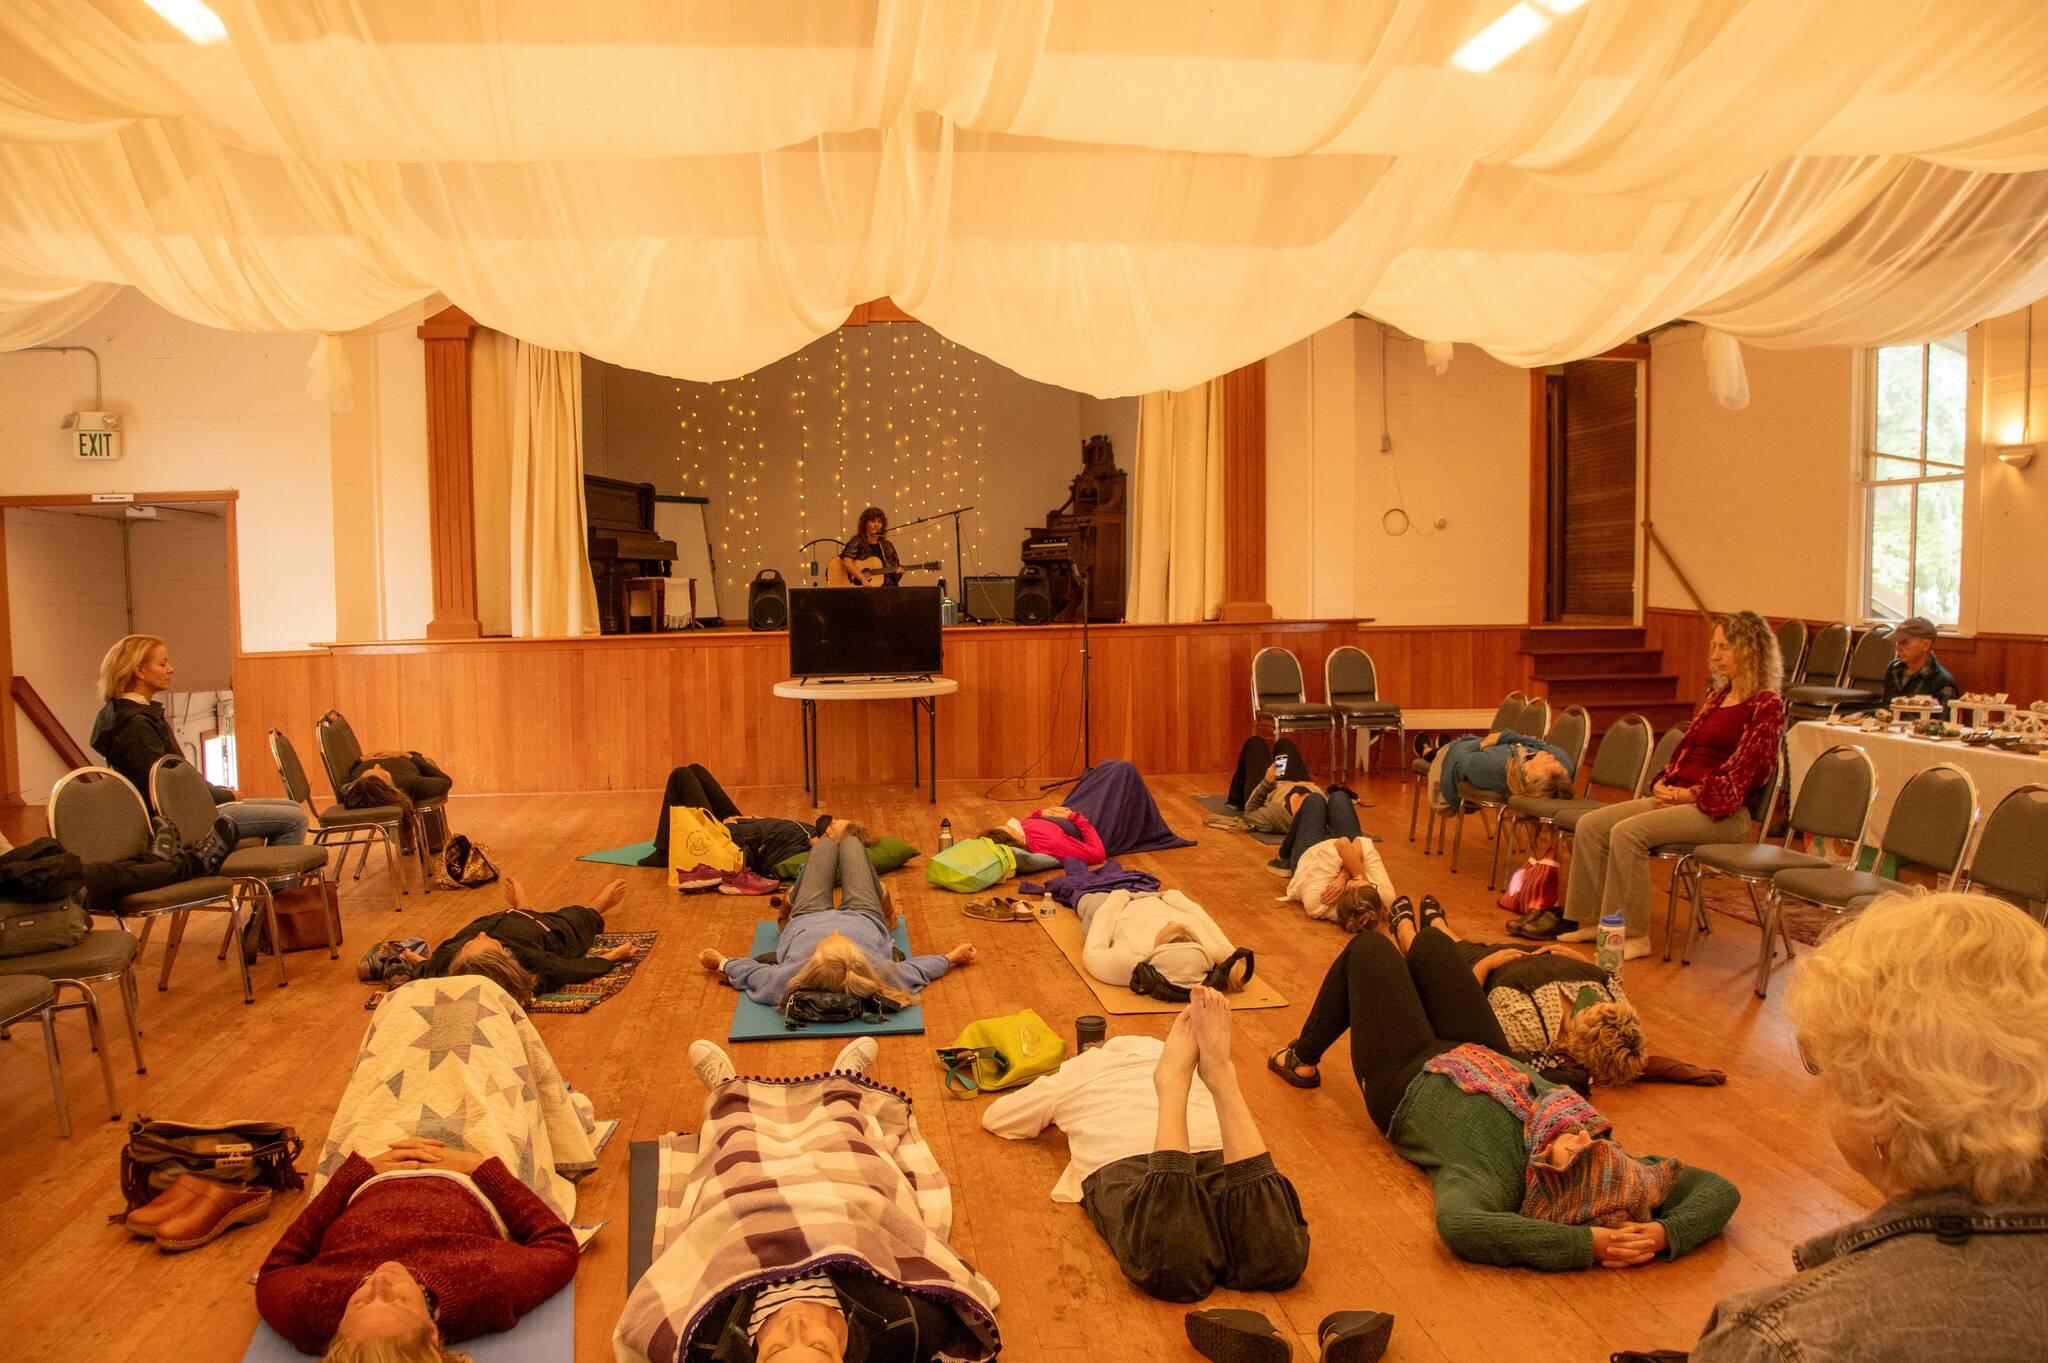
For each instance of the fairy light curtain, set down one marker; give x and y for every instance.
(1114, 198)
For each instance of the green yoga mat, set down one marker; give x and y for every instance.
(753, 1021)
(629, 855)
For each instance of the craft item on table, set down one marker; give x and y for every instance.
(1979, 709)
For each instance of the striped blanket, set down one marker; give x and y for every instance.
(788, 1176)
(456, 1060)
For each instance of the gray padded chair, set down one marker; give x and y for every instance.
(1510, 708)
(339, 753)
(1569, 733)
(1834, 802)
(2011, 859)
(1617, 768)
(32, 996)
(1930, 827)
(104, 954)
(97, 816)
(1792, 647)
(1352, 684)
(1534, 719)
(180, 794)
(338, 825)
(1827, 654)
(1280, 697)
(1862, 689)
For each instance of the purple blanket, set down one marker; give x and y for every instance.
(1114, 798)
(1079, 880)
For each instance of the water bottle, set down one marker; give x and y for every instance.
(945, 834)
(1611, 938)
(949, 613)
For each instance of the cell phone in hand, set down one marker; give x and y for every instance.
(1280, 764)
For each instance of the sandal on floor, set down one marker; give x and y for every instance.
(1284, 1063)
(1228, 1336)
(1432, 912)
(1403, 908)
(1541, 926)
(999, 911)
(1354, 1336)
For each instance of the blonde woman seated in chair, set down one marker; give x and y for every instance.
(845, 947)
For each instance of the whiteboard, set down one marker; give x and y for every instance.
(682, 520)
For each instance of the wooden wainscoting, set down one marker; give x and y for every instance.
(617, 712)
(2014, 663)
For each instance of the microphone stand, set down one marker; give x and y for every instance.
(956, 513)
(1087, 696)
(812, 564)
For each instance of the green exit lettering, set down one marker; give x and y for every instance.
(95, 444)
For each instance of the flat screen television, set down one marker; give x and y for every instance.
(864, 632)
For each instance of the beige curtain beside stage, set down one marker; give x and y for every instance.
(552, 594)
(1177, 507)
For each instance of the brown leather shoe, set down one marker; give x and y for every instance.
(145, 1220)
(215, 1208)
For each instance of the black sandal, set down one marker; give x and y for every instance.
(1230, 1336)
(1285, 1063)
(1354, 1336)
(1402, 909)
(1432, 912)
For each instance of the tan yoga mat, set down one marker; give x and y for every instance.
(1064, 927)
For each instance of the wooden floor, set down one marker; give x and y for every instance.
(73, 1287)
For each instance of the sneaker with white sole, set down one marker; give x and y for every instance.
(713, 1065)
(747, 883)
(700, 878)
(1588, 933)
(856, 1056)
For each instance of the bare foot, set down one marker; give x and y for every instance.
(626, 951)
(1176, 1068)
(515, 897)
(711, 960)
(1209, 1017)
(608, 898)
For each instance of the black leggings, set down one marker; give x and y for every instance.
(1253, 759)
(698, 788)
(1401, 1013)
(107, 883)
(1320, 818)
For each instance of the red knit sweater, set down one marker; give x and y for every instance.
(433, 1226)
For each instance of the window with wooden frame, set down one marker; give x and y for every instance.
(1912, 480)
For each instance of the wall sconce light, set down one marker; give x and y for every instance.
(2018, 453)
(2018, 456)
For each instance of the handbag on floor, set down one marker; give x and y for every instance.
(970, 865)
(1001, 1053)
(465, 865)
(696, 839)
(802, 1007)
(158, 1154)
(299, 917)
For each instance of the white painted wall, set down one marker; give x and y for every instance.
(2005, 539)
(68, 604)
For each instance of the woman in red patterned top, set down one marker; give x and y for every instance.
(1730, 749)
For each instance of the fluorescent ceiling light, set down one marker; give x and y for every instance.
(1500, 39)
(191, 18)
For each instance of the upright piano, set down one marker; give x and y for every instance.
(622, 541)
(1085, 533)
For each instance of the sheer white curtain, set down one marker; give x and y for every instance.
(1177, 507)
(551, 590)
(1115, 198)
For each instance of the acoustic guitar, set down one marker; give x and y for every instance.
(869, 572)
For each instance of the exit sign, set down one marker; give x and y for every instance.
(95, 435)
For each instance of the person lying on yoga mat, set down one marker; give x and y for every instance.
(1338, 877)
(845, 947)
(1173, 1173)
(1051, 835)
(528, 952)
(765, 842)
(1259, 760)
(1168, 934)
(1114, 798)
(816, 1231)
(442, 1193)
(1522, 1169)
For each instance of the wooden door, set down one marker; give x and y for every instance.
(1591, 562)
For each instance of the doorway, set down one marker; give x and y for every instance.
(1590, 467)
(77, 574)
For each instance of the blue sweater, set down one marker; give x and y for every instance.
(767, 984)
(1487, 768)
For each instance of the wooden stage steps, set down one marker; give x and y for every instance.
(1608, 669)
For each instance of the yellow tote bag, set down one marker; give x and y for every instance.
(696, 839)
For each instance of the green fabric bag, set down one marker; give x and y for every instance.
(971, 865)
(884, 854)
(1003, 1052)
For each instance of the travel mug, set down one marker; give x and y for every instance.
(1089, 1030)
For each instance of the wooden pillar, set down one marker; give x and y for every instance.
(1244, 494)
(451, 512)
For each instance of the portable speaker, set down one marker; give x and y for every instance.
(1034, 596)
(992, 598)
(767, 601)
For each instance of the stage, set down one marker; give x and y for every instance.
(616, 712)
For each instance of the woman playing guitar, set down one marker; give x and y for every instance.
(868, 558)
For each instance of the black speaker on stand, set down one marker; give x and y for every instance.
(767, 601)
(1034, 596)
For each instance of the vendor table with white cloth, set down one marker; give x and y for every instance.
(1899, 756)
(922, 693)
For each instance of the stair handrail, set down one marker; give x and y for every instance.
(47, 724)
(1650, 529)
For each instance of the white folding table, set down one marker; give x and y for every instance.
(921, 692)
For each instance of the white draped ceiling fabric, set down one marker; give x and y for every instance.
(1119, 198)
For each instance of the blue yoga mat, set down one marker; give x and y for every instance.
(753, 1021)
(546, 1334)
(629, 855)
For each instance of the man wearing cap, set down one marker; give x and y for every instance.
(1916, 671)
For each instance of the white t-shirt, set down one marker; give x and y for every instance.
(1322, 863)
(1104, 1100)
